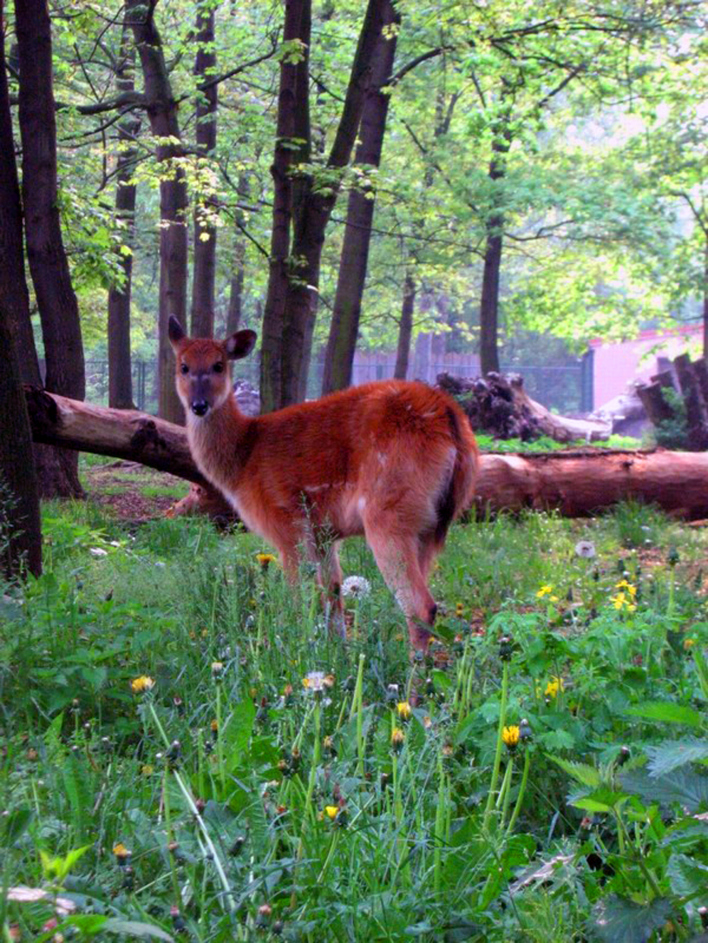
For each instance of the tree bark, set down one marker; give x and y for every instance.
(293, 115)
(494, 227)
(164, 123)
(705, 298)
(344, 327)
(20, 528)
(235, 310)
(49, 268)
(292, 295)
(576, 483)
(120, 381)
(405, 328)
(204, 272)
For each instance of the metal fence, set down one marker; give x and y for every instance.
(566, 388)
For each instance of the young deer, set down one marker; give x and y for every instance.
(392, 460)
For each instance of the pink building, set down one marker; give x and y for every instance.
(616, 366)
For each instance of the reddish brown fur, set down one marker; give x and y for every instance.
(392, 460)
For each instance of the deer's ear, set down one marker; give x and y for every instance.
(175, 332)
(240, 344)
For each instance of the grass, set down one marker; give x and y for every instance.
(227, 800)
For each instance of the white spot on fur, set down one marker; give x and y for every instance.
(361, 504)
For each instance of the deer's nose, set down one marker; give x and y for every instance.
(200, 407)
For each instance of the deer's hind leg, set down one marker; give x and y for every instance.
(397, 556)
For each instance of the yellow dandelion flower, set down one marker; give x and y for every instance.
(214, 725)
(545, 590)
(404, 710)
(688, 643)
(554, 687)
(120, 851)
(142, 684)
(553, 598)
(459, 610)
(265, 559)
(331, 811)
(147, 769)
(510, 736)
(398, 738)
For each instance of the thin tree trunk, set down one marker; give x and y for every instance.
(405, 329)
(49, 268)
(120, 381)
(204, 273)
(344, 327)
(494, 226)
(162, 112)
(235, 310)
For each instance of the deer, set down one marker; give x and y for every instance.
(394, 460)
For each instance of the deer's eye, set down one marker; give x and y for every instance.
(184, 368)
(218, 367)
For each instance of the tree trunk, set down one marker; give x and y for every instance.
(162, 112)
(344, 327)
(58, 308)
(405, 328)
(20, 528)
(494, 226)
(489, 302)
(576, 483)
(235, 309)
(204, 273)
(120, 381)
(293, 113)
(292, 295)
(20, 533)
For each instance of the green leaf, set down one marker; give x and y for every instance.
(689, 878)
(581, 772)
(92, 924)
(617, 920)
(666, 712)
(682, 786)
(666, 757)
(602, 800)
(15, 824)
(702, 669)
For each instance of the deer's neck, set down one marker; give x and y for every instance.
(216, 440)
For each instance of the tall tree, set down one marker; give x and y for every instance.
(20, 534)
(302, 203)
(204, 274)
(162, 112)
(120, 381)
(353, 264)
(49, 268)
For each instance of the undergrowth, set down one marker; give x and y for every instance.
(189, 754)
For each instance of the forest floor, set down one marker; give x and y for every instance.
(188, 753)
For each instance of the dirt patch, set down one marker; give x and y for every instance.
(131, 491)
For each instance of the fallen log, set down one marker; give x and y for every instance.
(576, 483)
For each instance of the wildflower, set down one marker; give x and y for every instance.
(688, 643)
(459, 610)
(265, 911)
(545, 590)
(214, 726)
(142, 684)
(331, 811)
(398, 738)
(265, 559)
(122, 854)
(510, 737)
(525, 731)
(625, 599)
(356, 586)
(329, 747)
(217, 670)
(316, 681)
(673, 557)
(585, 549)
(554, 687)
(629, 587)
(403, 708)
(147, 770)
(98, 552)
(178, 922)
(447, 750)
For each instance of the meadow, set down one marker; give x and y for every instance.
(189, 755)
